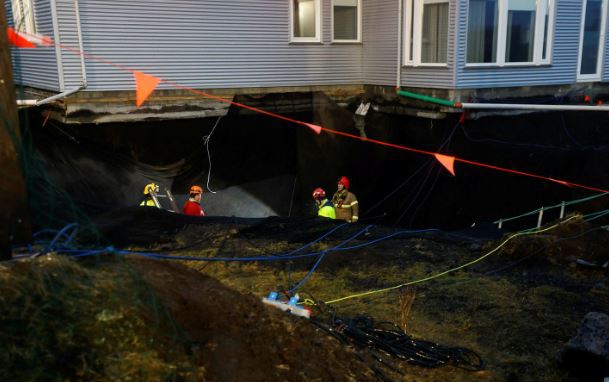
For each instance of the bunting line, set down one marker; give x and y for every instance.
(446, 161)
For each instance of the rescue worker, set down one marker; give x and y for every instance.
(193, 205)
(325, 208)
(147, 199)
(345, 202)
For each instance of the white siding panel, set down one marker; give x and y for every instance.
(202, 44)
(562, 70)
(36, 67)
(429, 77)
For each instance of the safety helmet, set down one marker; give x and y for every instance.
(319, 194)
(194, 190)
(344, 181)
(151, 187)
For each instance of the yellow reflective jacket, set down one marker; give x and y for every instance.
(326, 209)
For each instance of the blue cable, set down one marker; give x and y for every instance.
(321, 257)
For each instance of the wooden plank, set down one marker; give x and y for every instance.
(15, 226)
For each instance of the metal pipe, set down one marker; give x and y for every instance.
(398, 80)
(80, 45)
(540, 217)
(516, 106)
(56, 36)
(501, 106)
(57, 96)
(26, 102)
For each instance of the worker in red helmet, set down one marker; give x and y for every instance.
(325, 208)
(345, 202)
(193, 205)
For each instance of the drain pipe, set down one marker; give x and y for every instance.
(83, 71)
(398, 80)
(500, 106)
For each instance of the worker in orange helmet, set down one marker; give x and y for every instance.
(193, 205)
(325, 208)
(345, 202)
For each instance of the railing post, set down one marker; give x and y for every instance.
(562, 209)
(540, 218)
(500, 223)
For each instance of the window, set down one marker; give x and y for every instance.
(509, 31)
(23, 16)
(305, 20)
(426, 32)
(346, 20)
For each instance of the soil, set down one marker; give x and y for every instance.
(515, 301)
(240, 339)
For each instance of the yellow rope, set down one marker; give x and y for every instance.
(450, 270)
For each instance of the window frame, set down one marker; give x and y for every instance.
(29, 20)
(413, 15)
(359, 25)
(538, 60)
(318, 19)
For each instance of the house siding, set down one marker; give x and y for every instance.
(381, 26)
(36, 67)
(434, 77)
(562, 70)
(187, 42)
(380, 39)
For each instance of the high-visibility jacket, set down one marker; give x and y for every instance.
(346, 205)
(148, 202)
(326, 209)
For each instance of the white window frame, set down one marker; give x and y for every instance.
(317, 37)
(538, 44)
(359, 24)
(601, 42)
(414, 14)
(24, 9)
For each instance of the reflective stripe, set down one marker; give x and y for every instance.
(354, 203)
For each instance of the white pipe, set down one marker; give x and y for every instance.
(516, 106)
(26, 102)
(80, 46)
(56, 36)
(57, 96)
(398, 80)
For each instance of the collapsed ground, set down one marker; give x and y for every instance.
(112, 316)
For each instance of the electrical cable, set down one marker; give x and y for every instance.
(388, 338)
(206, 142)
(437, 275)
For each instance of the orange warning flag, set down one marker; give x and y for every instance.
(144, 86)
(447, 161)
(16, 39)
(315, 128)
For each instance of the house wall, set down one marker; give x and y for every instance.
(562, 70)
(203, 44)
(381, 26)
(36, 67)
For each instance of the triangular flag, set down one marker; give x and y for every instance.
(447, 161)
(315, 128)
(16, 39)
(144, 86)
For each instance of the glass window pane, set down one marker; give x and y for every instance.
(591, 38)
(434, 40)
(304, 18)
(520, 31)
(345, 20)
(482, 31)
